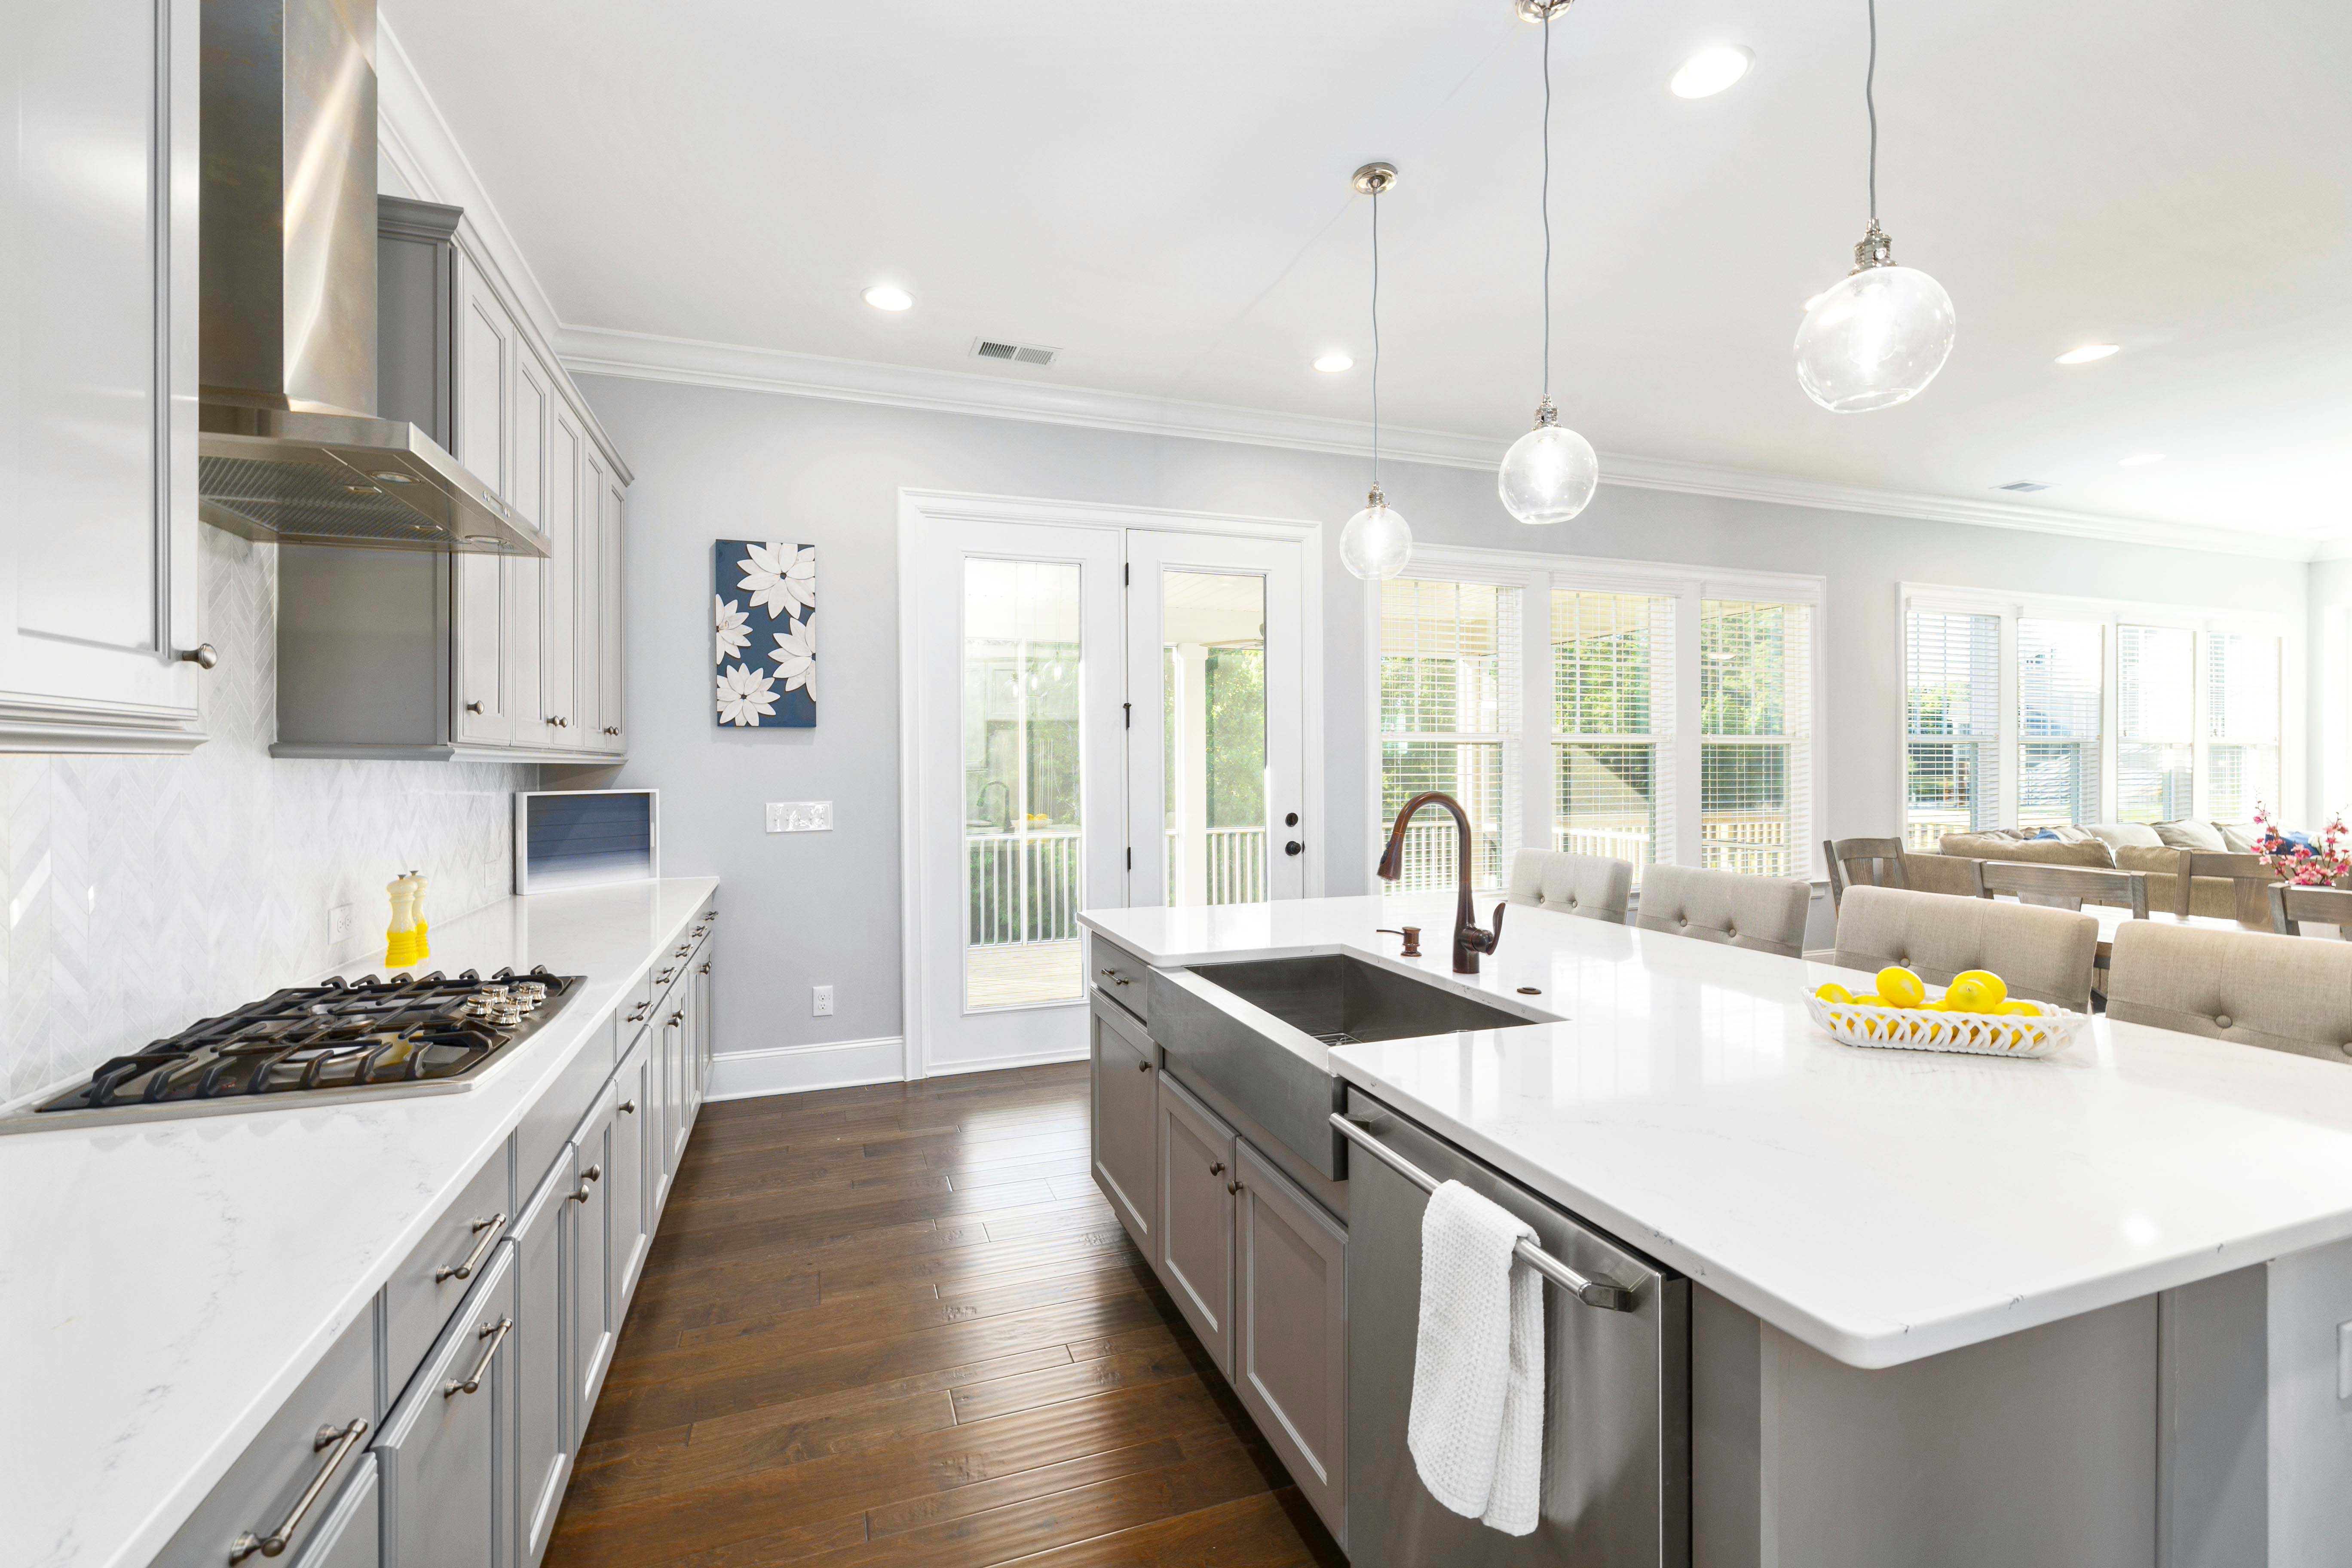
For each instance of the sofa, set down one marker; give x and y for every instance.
(2158, 848)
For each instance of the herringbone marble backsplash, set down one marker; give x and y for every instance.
(147, 892)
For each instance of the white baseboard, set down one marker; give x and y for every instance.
(796, 1070)
(998, 1064)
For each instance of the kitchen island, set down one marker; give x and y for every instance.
(2076, 1310)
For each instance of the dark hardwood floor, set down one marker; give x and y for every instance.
(899, 1325)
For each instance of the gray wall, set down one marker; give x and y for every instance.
(816, 908)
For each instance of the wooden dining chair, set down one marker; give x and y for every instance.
(1863, 862)
(2063, 886)
(2253, 879)
(2291, 905)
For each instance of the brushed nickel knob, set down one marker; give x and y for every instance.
(203, 656)
(473, 707)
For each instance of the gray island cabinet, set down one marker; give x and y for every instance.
(1804, 1304)
(441, 1427)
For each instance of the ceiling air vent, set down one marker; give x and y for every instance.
(2021, 487)
(1017, 354)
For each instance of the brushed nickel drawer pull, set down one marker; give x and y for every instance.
(474, 707)
(704, 970)
(628, 1108)
(1234, 1188)
(488, 1230)
(1143, 1066)
(663, 978)
(345, 1441)
(497, 1334)
(639, 1016)
(587, 1179)
(1218, 1169)
(678, 1016)
(203, 656)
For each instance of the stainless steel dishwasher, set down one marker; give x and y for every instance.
(1616, 1484)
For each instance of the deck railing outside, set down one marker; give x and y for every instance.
(1023, 886)
(1236, 864)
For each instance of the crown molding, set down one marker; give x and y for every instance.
(644, 356)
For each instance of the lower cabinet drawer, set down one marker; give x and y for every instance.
(425, 1288)
(353, 1535)
(279, 1495)
(548, 1125)
(444, 1462)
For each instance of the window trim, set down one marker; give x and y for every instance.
(2109, 614)
(1538, 574)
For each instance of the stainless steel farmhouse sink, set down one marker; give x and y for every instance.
(1262, 1031)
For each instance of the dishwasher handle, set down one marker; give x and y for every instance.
(1602, 1293)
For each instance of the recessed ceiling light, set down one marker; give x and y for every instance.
(883, 297)
(1333, 364)
(2141, 460)
(2088, 352)
(1709, 71)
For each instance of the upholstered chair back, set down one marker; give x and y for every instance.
(1766, 914)
(2280, 993)
(2043, 954)
(1588, 885)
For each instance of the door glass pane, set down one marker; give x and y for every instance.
(1212, 686)
(1022, 860)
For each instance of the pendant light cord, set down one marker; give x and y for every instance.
(1375, 340)
(1870, 102)
(1546, 204)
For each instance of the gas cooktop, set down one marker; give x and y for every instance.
(338, 1041)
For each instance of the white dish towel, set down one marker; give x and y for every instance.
(1477, 1428)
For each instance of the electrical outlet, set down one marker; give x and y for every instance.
(800, 816)
(823, 995)
(338, 924)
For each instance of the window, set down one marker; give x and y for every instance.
(1951, 684)
(1755, 679)
(1449, 715)
(2241, 725)
(2060, 696)
(2156, 732)
(1613, 700)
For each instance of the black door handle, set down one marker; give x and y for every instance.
(1293, 848)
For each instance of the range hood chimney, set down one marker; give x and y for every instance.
(288, 445)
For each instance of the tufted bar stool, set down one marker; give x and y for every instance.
(1588, 885)
(2044, 954)
(1765, 913)
(2248, 988)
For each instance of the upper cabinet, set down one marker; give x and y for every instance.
(470, 655)
(99, 646)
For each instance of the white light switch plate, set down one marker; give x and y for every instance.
(822, 998)
(338, 924)
(800, 816)
(2343, 1361)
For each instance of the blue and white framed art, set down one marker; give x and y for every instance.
(764, 633)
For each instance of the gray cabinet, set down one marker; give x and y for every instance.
(676, 1035)
(595, 1203)
(541, 1350)
(352, 1535)
(1124, 1127)
(630, 1196)
(612, 722)
(1290, 1330)
(1197, 1183)
(445, 1457)
(97, 377)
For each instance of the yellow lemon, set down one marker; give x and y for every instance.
(2018, 1009)
(1968, 994)
(1941, 1005)
(1898, 987)
(1832, 991)
(1868, 999)
(1996, 990)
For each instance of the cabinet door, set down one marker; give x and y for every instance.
(97, 358)
(595, 1308)
(587, 711)
(631, 1199)
(675, 1035)
(705, 1047)
(531, 407)
(484, 380)
(525, 594)
(1125, 1124)
(657, 1050)
(1196, 1218)
(558, 675)
(1290, 1330)
(540, 1347)
(481, 665)
(353, 1535)
(446, 1458)
(608, 648)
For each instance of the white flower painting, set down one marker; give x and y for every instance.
(765, 591)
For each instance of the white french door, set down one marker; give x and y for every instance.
(1096, 716)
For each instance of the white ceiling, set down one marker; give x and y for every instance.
(1160, 192)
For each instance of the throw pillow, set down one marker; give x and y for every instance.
(2241, 836)
(2200, 836)
(2119, 834)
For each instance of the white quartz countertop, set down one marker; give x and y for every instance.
(165, 1286)
(1881, 1205)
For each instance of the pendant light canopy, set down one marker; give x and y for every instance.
(1878, 336)
(1376, 542)
(1550, 473)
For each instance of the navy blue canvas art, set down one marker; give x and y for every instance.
(764, 636)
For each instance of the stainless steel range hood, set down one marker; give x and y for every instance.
(289, 446)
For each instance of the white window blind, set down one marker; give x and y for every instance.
(1612, 726)
(1449, 706)
(1756, 724)
(2060, 692)
(1951, 685)
(2154, 722)
(2241, 725)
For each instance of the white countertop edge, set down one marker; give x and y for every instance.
(554, 1050)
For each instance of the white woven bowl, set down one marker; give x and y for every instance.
(1974, 1033)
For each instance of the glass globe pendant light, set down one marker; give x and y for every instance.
(1878, 336)
(1548, 474)
(1376, 542)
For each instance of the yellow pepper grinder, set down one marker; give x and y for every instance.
(400, 936)
(424, 949)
